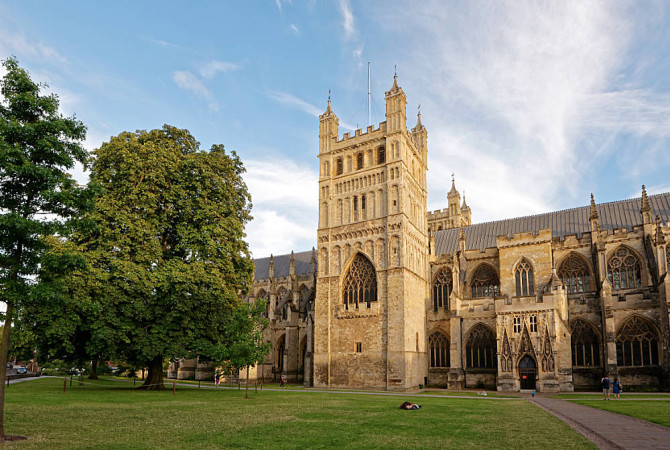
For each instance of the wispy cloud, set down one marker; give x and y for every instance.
(211, 68)
(348, 25)
(18, 44)
(189, 82)
(298, 103)
(166, 44)
(294, 29)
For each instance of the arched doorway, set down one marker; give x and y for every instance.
(527, 372)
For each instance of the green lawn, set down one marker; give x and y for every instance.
(110, 414)
(647, 407)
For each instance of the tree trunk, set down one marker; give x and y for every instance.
(4, 353)
(246, 394)
(94, 369)
(154, 381)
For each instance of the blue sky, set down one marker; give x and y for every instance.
(533, 105)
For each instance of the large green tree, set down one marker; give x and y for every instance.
(170, 242)
(38, 198)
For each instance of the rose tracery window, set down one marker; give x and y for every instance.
(485, 282)
(585, 344)
(575, 274)
(360, 283)
(636, 344)
(524, 279)
(439, 350)
(481, 348)
(623, 270)
(442, 285)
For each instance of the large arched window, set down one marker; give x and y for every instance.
(636, 344)
(575, 274)
(360, 283)
(481, 348)
(442, 284)
(485, 282)
(623, 270)
(524, 279)
(439, 350)
(585, 344)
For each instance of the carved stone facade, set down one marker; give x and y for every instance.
(395, 297)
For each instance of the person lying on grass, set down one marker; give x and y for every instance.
(409, 406)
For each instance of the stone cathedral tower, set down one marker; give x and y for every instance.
(372, 283)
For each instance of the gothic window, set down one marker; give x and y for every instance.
(575, 274)
(524, 279)
(481, 348)
(262, 295)
(360, 283)
(485, 282)
(517, 324)
(533, 324)
(585, 345)
(623, 270)
(281, 293)
(636, 344)
(355, 203)
(359, 160)
(439, 350)
(362, 202)
(339, 166)
(442, 289)
(381, 155)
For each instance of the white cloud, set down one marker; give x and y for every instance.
(295, 102)
(189, 82)
(285, 206)
(211, 68)
(348, 26)
(294, 29)
(521, 97)
(17, 44)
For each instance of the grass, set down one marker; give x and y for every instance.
(651, 407)
(110, 414)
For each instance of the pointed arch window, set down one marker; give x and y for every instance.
(524, 279)
(485, 282)
(381, 155)
(481, 348)
(575, 274)
(360, 283)
(359, 160)
(439, 350)
(442, 285)
(339, 166)
(623, 270)
(636, 344)
(585, 343)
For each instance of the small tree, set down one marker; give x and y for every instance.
(245, 346)
(37, 196)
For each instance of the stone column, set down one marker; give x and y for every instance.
(456, 378)
(609, 330)
(307, 380)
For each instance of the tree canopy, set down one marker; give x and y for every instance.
(169, 244)
(38, 198)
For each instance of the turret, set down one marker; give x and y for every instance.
(645, 210)
(328, 128)
(271, 269)
(454, 198)
(420, 136)
(396, 107)
(312, 262)
(594, 219)
(291, 265)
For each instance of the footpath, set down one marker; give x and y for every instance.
(606, 429)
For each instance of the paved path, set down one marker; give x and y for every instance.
(606, 429)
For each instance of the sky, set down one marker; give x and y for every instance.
(532, 105)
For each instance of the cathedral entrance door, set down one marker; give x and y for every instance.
(527, 372)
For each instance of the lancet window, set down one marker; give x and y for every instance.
(585, 345)
(623, 270)
(485, 282)
(381, 155)
(524, 279)
(359, 160)
(439, 350)
(360, 283)
(340, 166)
(636, 344)
(575, 274)
(481, 348)
(442, 285)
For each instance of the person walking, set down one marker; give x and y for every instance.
(616, 388)
(282, 381)
(605, 383)
(217, 379)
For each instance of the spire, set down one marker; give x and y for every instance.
(271, 269)
(328, 109)
(312, 261)
(646, 207)
(464, 205)
(418, 118)
(291, 265)
(453, 185)
(594, 211)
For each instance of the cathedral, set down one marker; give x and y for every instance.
(394, 297)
